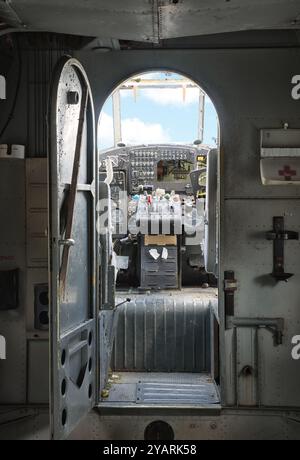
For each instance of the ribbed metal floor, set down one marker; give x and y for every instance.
(162, 389)
(172, 393)
(164, 332)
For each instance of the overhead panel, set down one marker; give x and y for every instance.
(183, 18)
(150, 20)
(127, 20)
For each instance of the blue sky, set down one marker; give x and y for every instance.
(158, 116)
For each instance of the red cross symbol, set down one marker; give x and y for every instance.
(287, 173)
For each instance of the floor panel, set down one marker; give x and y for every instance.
(161, 389)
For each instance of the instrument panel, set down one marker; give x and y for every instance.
(163, 166)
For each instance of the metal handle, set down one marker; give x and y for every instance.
(68, 242)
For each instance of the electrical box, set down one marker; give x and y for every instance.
(280, 156)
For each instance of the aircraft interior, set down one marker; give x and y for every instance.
(165, 300)
(149, 290)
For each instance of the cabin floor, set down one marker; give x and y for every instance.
(162, 354)
(161, 388)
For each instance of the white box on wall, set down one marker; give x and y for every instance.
(280, 156)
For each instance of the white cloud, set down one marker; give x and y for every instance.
(170, 96)
(105, 131)
(134, 131)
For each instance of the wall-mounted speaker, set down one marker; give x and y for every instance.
(41, 306)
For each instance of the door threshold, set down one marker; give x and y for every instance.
(122, 408)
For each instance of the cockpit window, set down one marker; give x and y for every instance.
(157, 108)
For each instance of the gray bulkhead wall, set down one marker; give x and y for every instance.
(251, 89)
(23, 209)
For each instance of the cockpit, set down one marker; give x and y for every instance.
(153, 198)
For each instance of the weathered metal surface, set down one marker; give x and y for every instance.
(272, 425)
(129, 20)
(191, 17)
(243, 424)
(260, 296)
(73, 314)
(163, 332)
(151, 20)
(176, 393)
(170, 389)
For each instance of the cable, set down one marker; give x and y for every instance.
(11, 114)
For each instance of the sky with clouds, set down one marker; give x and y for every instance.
(158, 116)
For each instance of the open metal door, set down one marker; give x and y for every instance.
(210, 239)
(73, 196)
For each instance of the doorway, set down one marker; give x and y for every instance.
(158, 318)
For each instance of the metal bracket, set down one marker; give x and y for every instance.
(278, 235)
(273, 325)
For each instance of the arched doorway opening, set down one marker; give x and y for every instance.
(158, 140)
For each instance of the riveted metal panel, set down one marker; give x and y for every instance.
(73, 301)
(250, 255)
(130, 20)
(142, 20)
(270, 425)
(243, 424)
(191, 17)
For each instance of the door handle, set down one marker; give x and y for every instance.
(68, 242)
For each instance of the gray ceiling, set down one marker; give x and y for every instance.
(149, 20)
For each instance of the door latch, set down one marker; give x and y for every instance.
(68, 242)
